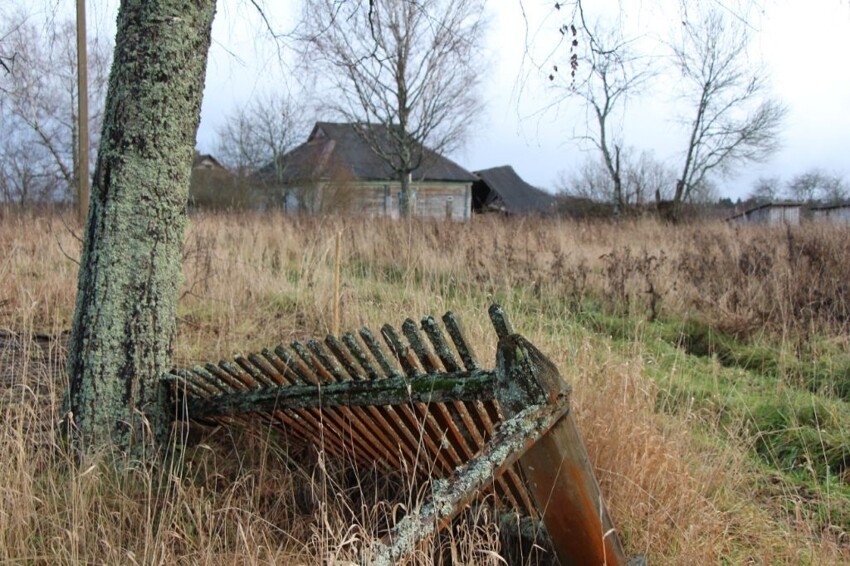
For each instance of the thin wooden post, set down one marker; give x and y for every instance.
(337, 268)
(557, 468)
(82, 117)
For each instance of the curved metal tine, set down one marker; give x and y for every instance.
(426, 357)
(458, 335)
(438, 341)
(500, 321)
(374, 346)
(405, 357)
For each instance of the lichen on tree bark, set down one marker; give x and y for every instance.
(130, 273)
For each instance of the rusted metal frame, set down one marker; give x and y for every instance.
(511, 440)
(249, 383)
(557, 469)
(352, 356)
(454, 327)
(456, 444)
(277, 371)
(394, 417)
(434, 428)
(284, 374)
(473, 433)
(407, 412)
(301, 367)
(475, 422)
(298, 371)
(358, 430)
(481, 426)
(349, 373)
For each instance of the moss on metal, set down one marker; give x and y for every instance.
(124, 320)
(438, 388)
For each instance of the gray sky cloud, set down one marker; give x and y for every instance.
(803, 45)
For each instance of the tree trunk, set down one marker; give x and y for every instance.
(130, 272)
(404, 204)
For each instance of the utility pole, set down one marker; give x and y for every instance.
(82, 117)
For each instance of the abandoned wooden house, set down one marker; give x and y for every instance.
(339, 170)
(835, 213)
(500, 189)
(773, 214)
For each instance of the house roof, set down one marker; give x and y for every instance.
(200, 158)
(833, 206)
(343, 145)
(510, 193)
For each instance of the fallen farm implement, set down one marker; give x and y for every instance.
(422, 401)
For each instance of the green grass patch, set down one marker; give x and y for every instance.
(791, 412)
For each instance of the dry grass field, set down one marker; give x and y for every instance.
(710, 364)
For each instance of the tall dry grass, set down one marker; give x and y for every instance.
(255, 280)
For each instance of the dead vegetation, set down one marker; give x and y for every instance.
(677, 491)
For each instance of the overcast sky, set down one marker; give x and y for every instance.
(804, 45)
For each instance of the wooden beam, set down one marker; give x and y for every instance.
(557, 469)
(477, 385)
(513, 438)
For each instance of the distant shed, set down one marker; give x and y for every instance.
(836, 213)
(500, 189)
(770, 214)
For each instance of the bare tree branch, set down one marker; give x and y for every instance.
(733, 123)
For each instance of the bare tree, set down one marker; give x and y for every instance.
(765, 189)
(258, 133)
(254, 138)
(732, 121)
(38, 109)
(816, 185)
(410, 67)
(643, 178)
(614, 72)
